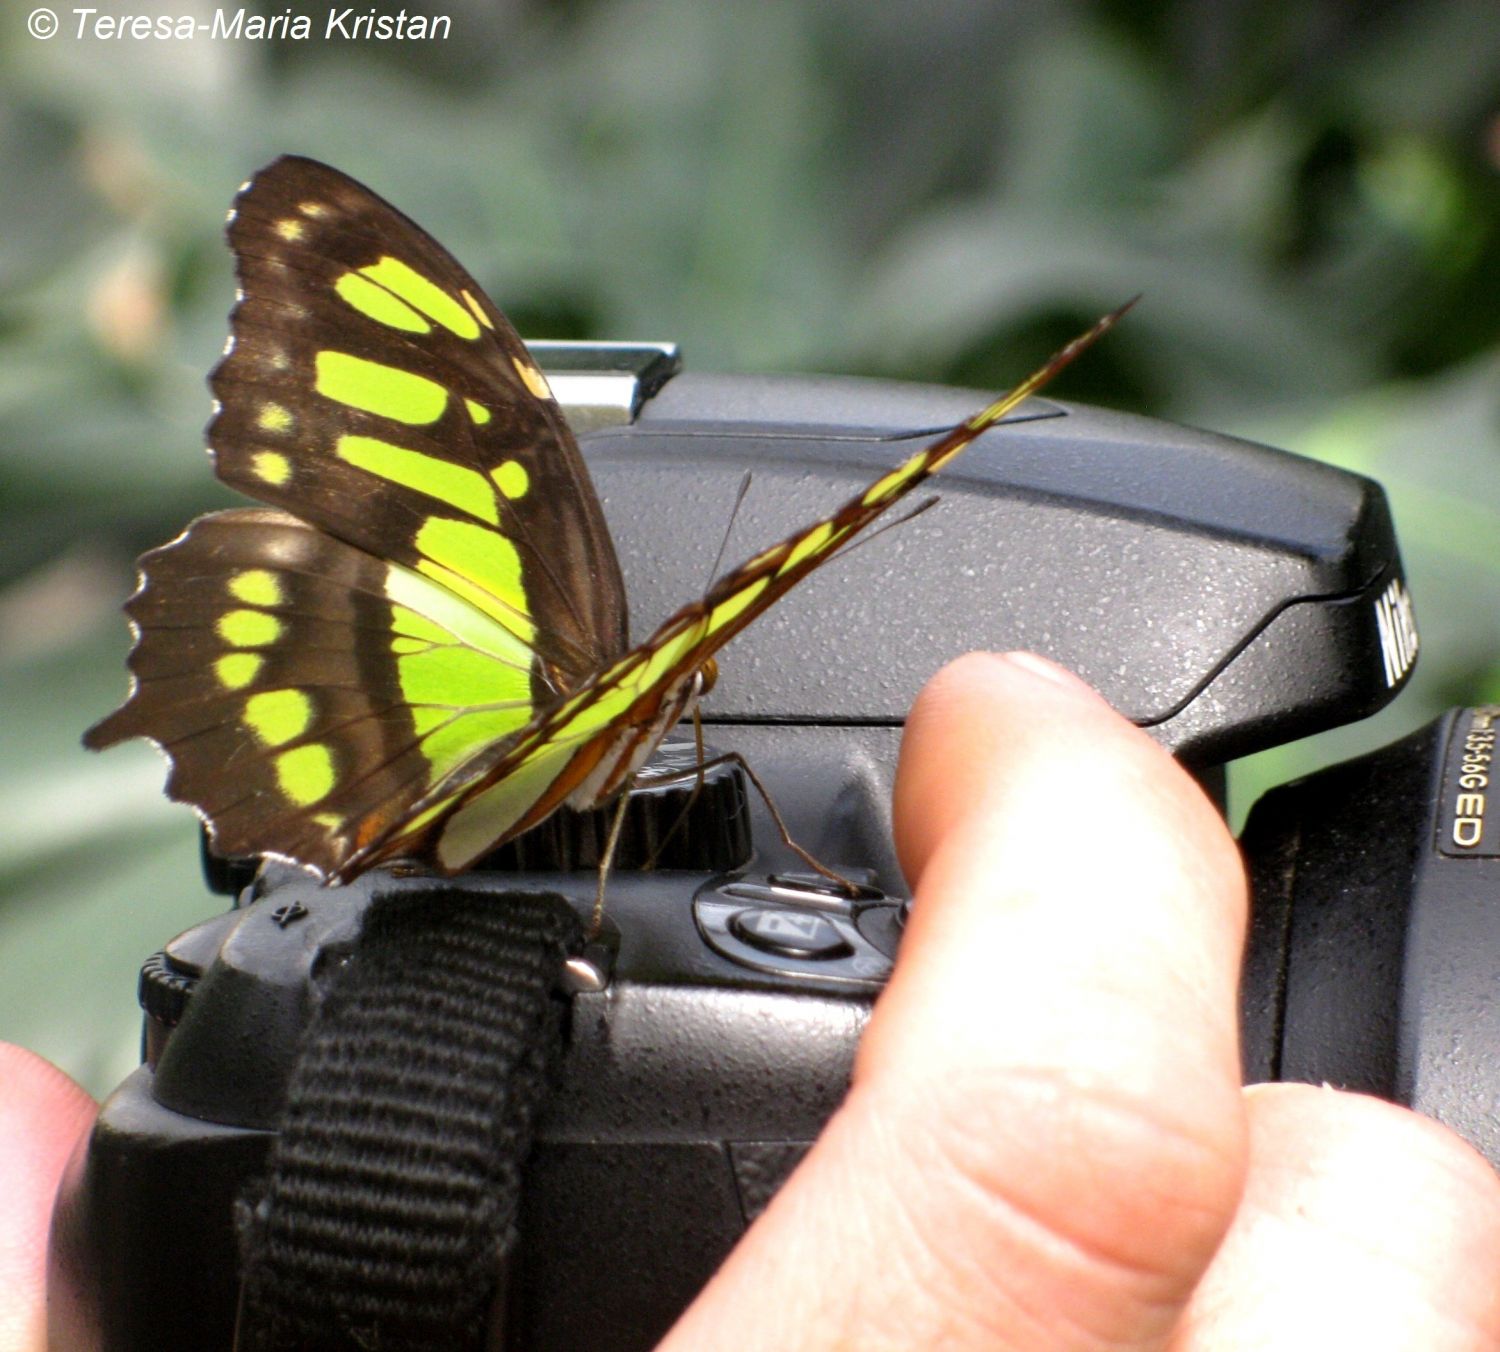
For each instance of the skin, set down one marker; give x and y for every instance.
(1046, 1144)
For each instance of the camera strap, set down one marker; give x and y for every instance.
(392, 1189)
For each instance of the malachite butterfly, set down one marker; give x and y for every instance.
(418, 649)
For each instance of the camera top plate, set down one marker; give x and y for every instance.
(1226, 595)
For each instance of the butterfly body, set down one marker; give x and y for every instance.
(419, 648)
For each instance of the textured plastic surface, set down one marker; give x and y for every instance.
(142, 1251)
(694, 1084)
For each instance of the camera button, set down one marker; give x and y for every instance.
(818, 885)
(790, 934)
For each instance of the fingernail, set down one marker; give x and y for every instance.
(1049, 671)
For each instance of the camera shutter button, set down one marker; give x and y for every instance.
(790, 934)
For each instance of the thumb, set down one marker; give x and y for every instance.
(1045, 1140)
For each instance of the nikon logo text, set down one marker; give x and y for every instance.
(1397, 624)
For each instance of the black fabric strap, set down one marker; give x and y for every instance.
(392, 1189)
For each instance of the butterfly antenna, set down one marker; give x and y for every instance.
(734, 512)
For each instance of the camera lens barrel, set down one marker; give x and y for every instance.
(1375, 933)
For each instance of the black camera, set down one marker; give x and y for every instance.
(1225, 596)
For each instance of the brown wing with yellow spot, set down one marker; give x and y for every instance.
(372, 388)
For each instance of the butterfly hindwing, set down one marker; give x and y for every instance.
(372, 388)
(306, 693)
(587, 743)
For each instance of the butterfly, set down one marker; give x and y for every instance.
(418, 648)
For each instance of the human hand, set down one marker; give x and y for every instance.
(1046, 1144)
(43, 1114)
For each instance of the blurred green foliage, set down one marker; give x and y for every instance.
(1307, 193)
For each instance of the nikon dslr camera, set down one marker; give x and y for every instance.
(1226, 596)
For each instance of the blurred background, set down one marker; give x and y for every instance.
(1308, 193)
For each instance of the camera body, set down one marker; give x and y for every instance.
(1225, 596)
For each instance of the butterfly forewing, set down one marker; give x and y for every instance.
(371, 388)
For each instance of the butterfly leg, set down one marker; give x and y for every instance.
(611, 843)
(854, 889)
(734, 757)
(698, 784)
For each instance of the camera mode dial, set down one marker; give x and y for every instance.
(677, 816)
